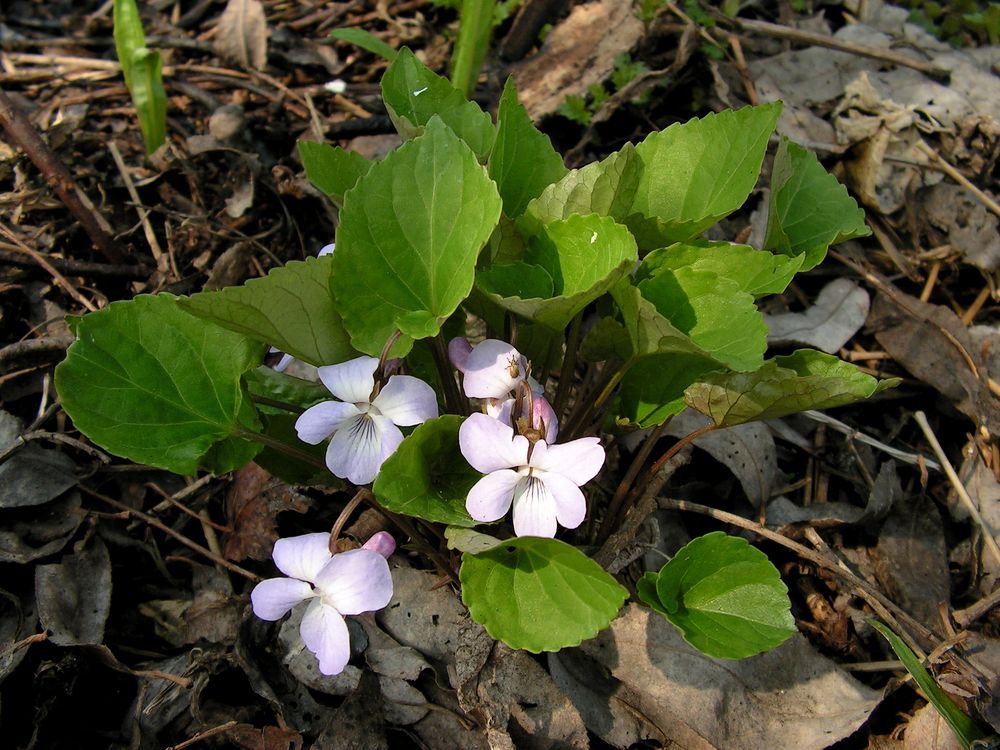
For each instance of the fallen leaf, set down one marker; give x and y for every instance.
(359, 722)
(249, 737)
(253, 503)
(840, 310)
(934, 346)
(30, 533)
(74, 596)
(17, 622)
(884, 494)
(928, 730)
(747, 450)
(578, 53)
(241, 200)
(31, 475)
(789, 697)
(241, 34)
(971, 228)
(911, 559)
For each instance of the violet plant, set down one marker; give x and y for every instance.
(605, 311)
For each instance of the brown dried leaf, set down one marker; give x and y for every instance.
(253, 503)
(242, 33)
(932, 343)
(249, 737)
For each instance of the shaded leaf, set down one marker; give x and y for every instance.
(31, 475)
(725, 596)
(809, 209)
(74, 596)
(523, 161)
(653, 388)
(291, 308)
(427, 476)
(784, 385)
(149, 382)
(562, 596)
(413, 95)
(410, 234)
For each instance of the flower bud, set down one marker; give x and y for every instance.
(381, 542)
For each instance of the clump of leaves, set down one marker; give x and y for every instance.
(471, 217)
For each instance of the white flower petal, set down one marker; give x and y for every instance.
(326, 249)
(578, 460)
(274, 598)
(490, 497)
(318, 422)
(355, 452)
(282, 364)
(406, 401)
(302, 556)
(352, 380)
(488, 444)
(570, 504)
(324, 632)
(389, 437)
(493, 369)
(356, 581)
(534, 508)
(499, 410)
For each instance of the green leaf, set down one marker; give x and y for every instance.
(714, 311)
(604, 188)
(427, 476)
(964, 726)
(809, 209)
(584, 256)
(279, 424)
(413, 95)
(469, 540)
(523, 161)
(539, 594)
(698, 172)
(607, 339)
(757, 272)
(410, 233)
(149, 382)
(143, 72)
(332, 169)
(725, 597)
(290, 308)
(366, 40)
(803, 380)
(128, 34)
(149, 97)
(653, 388)
(649, 332)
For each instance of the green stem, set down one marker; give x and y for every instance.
(288, 450)
(283, 405)
(453, 398)
(476, 23)
(611, 517)
(583, 413)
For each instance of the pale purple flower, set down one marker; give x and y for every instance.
(287, 359)
(347, 583)
(365, 423)
(542, 481)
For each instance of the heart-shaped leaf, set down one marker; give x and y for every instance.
(725, 597)
(149, 382)
(539, 594)
(427, 476)
(332, 169)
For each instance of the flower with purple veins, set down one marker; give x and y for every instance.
(541, 481)
(347, 583)
(364, 423)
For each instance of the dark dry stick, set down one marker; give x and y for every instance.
(79, 267)
(24, 134)
(614, 507)
(568, 370)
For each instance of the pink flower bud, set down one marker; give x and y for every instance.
(381, 542)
